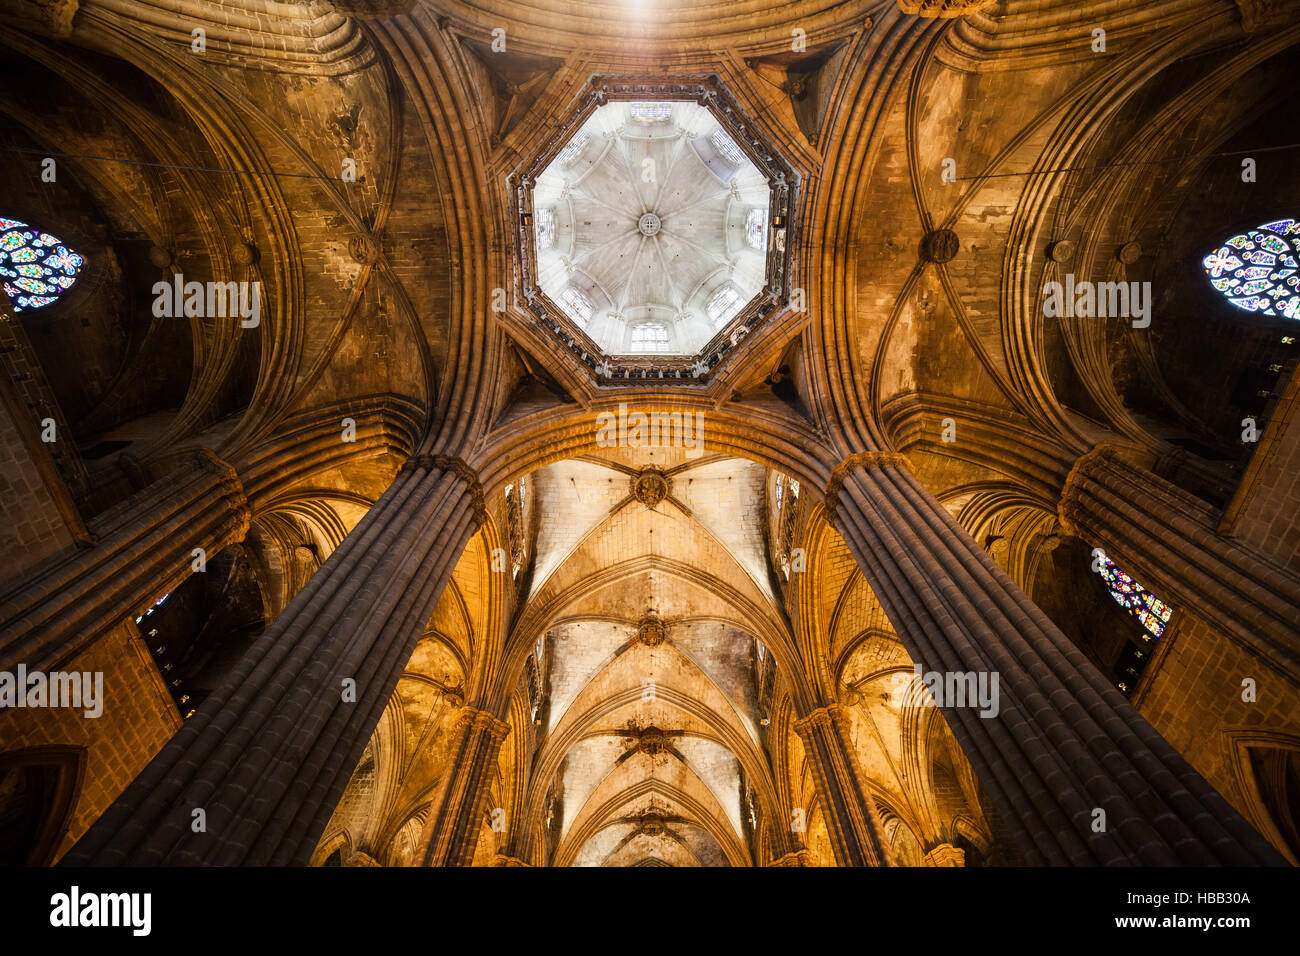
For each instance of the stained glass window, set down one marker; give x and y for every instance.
(1137, 600)
(578, 305)
(156, 605)
(545, 228)
(570, 152)
(35, 267)
(650, 112)
(756, 228)
(649, 337)
(1257, 270)
(723, 304)
(727, 147)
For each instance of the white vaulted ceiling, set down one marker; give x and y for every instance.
(651, 228)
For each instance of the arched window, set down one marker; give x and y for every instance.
(570, 152)
(756, 228)
(1137, 600)
(649, 337)
(577, 304)
(1257, 270)
(156, 605)
(727, 148)
(722, 305)
(545, 228)
(650, 112)
(36, 267)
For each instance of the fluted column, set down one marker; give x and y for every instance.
(1165, 537)
(142, 549)
(452, 833)
(945, 854)
(268, 754)
(1077, 774)
(851, 814)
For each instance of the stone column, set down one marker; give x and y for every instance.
(268, 755)
(451, 835)
(1079, 777)
(1166, 539)
(945, 854)
(851, 814)
(142, 549)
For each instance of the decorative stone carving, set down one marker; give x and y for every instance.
(1257, 15)
(1129, 253)
(245, 254)
(653, 741)
(365, 249)
(865, 459)
(943, 9)
(48, 17)
(941, 245)
(1060, 251)
(159, 257)
(802, 857)
(462, 471)
(651, 631)
(650, 487)
(945, 854)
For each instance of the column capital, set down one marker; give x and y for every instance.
(504, 860)
(800, 857)
(945, 854)
(1069, 509)
(462, 470)
(820, 718)
(209, 461)
(862, 459)
(482, 721)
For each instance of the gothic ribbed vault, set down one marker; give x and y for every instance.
(643, 399)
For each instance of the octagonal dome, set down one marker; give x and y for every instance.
(651, 228)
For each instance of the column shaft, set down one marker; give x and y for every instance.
(143, 548)
(851, 814)
(1063, 743)
(452, 833)
(1165, 537)
(268, 754)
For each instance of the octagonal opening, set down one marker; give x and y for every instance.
(651, 228)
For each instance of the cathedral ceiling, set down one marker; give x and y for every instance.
(356, 159)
